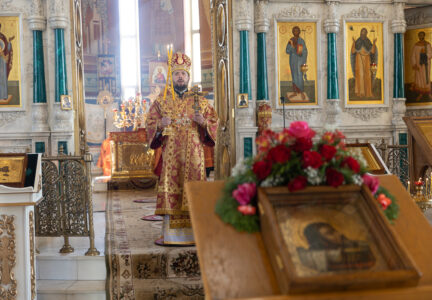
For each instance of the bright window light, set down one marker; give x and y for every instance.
(195, 15)
(192, 38)
(129, 48)
(196, 57)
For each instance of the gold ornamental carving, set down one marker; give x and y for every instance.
(8, 283)
(222, 41)
(32, 256)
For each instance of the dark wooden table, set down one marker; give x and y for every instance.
(236, 266)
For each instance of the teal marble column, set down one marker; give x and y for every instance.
(262, 83)
(398, 72)
(245, 74)
(39, 89)
(60, 64)
(332, 72)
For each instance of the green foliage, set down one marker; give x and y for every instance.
(226, 207)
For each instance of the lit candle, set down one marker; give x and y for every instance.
(408, 188)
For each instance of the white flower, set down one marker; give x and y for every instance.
(358, 155)
(272, 181)
(240, 168)
(312, 176)
(268, 182)
(357, 179)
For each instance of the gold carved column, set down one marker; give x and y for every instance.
(78, 77)
(8, 283)
(221, 15)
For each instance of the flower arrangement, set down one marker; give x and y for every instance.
(291, 158)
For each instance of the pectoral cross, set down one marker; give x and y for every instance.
(195, 91)
(5, 256)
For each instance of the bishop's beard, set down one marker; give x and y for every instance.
(180, 89)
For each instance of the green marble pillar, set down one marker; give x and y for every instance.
(398, 74)
(248, 147)
(262, 82)
(60, 65)
(332, 71)
(39, 89)
(245, 74)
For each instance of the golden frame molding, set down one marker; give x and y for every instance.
(8, 283)
(32, 255)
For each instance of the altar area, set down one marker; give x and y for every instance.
(236, 265)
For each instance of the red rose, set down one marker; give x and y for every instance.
(334, 178)
(262, 169)
(297, 183)
(328, 152)
(312, 159)
(279, 154)
(352, 164)
(302, 144)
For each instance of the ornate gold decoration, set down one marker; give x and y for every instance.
(222, 41)
(12, 169)
(132, 113)
(32, 256)
(77, 59)
(131, 155)
(66, 207)
(8, 283)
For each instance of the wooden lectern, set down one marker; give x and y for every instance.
(419, 145)
(236, 265)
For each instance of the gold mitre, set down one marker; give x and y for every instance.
(180, 61)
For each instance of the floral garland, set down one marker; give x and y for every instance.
(291, 158)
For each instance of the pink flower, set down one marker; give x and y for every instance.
(371, 182)
(244, 193)
(301, 129)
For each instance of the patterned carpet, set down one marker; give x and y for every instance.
(138, 269)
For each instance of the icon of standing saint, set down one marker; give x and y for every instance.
(6, 55)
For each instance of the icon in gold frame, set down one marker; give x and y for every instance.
(66, 102)
(242, 100)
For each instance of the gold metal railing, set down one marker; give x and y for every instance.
(66, 208)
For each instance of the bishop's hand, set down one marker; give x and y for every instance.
(199, 118)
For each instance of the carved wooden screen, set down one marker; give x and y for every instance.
(221, 12)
